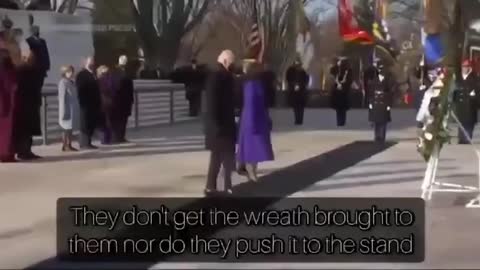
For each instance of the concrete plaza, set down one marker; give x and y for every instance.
(170, 161)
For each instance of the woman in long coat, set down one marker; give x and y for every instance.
(8, 95)
(68, 107)
(254, 140)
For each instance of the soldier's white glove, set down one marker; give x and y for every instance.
(423, 87)
(472, 94)
(370, 106)
(388, 108)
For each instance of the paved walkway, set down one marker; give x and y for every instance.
(170, 161)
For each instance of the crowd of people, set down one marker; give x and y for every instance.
(22, 74)
(237, 121)
(94, 99)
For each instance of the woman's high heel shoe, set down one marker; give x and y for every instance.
(208, 192)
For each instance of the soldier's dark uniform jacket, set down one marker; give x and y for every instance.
(466, 100)
(381, 100)
(297, 82)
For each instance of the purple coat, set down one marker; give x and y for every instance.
(254, 140)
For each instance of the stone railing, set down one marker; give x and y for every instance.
(156, 102)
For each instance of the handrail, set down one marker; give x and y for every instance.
(140, 87)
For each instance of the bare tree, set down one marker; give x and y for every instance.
(162, 24)
(277, 20)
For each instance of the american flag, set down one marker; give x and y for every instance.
(255, 40)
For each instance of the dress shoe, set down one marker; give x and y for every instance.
(8, 160)
(70, 149)
(28, 156)
(88, 147)
(209, 192)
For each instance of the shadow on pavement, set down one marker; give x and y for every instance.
(279, 184)
(150, 148)
(388, 181)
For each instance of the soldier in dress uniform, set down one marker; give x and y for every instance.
(297, 82)
(343, 75)
(466, 102)
(426, 79)
(380, 102)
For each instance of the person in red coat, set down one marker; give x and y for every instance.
(8, 96)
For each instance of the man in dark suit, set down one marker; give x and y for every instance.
(297, 82)
(39, 48)
(193, 76)
(90, 103)
(466, 103)
(220, 128)
(124, 98)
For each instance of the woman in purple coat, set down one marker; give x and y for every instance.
(254, 142)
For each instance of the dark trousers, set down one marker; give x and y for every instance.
(194, 105)
(469, 127)
(298, 112)
(122, 129)
(115, 130)
(223, 154)
(23, 145)
(341, 118)
(86, 132)
(380, 132)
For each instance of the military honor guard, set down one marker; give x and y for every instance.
(340, 93)
(426, 78)
(466, 103)
(297, 82)
(380, 102)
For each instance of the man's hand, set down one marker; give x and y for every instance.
(423, 88)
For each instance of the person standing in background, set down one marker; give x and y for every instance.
(340, 94)
(39, 48)
(28, 122)
(68, 107)
(8, 103)
(426, 79)
(297, 81)
(466, 103)
(220, 129)
(380, 102)
(90, 103)
(108, 86)
(194, 79)
(254, 140)
(9, 40)
(124, 98)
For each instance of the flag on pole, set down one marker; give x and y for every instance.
(349, 30)
(383, 39)
(255, 39)
(436, 24)
(302, 21)
(436, 16)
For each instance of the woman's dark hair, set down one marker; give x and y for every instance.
(5, 60)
